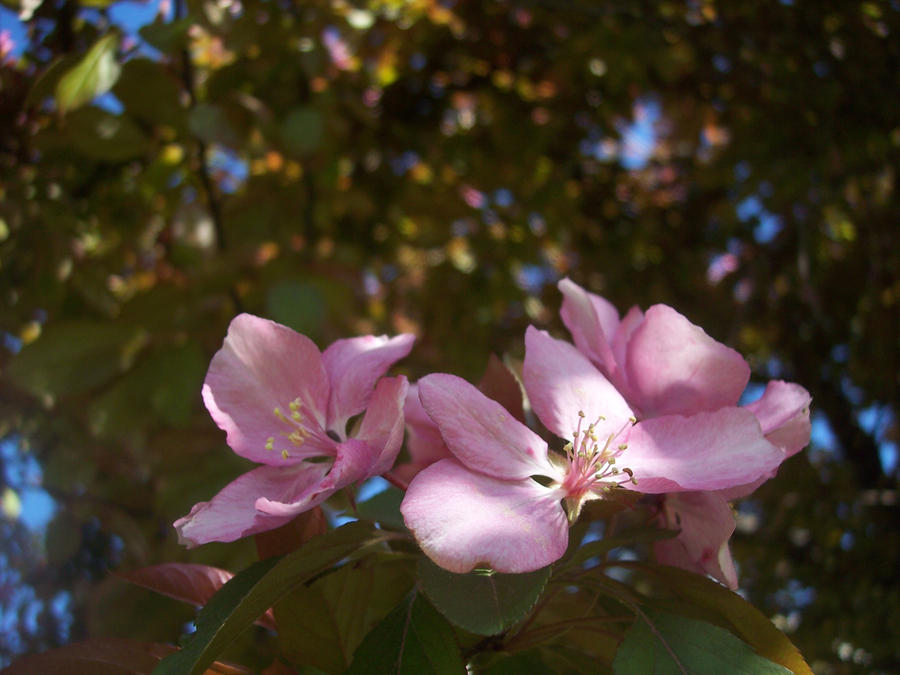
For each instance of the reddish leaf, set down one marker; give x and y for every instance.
(187, 582)
(499, 383)
(291, 536)
(106, 656)
(100, 656)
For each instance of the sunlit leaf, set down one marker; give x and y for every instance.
(94, 75)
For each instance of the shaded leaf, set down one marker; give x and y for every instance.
(94, 75)
(298, 305)
(302, 130)
(414, 639)
(257, 588)
(322, 624)
(72, 357)
(384, 508)
(748, 622)
(666, 643)
(187, 582)
(167, 36)
(481, 603)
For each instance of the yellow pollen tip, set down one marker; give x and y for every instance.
(623, 446)
(284, 454)
(280, 415)
(632, 419)
(581, 413)
(269, 443)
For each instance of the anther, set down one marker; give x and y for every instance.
(581, 413)
(284, 454)
(270, 442)
(623, 446)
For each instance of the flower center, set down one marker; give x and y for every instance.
(591, 464)
(296, 423)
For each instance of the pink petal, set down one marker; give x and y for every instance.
(674, 367)
(232, 513)
(382, 425)
(629, 324)
(706, 523)
(423, 438)
(352, 464)
(463, 519)
(480, 432)
(354, 365)
(261, 366)
(783, 414)
(591, 320)
(560, 382)
(706, 451)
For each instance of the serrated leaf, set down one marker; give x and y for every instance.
(321, 625)
(414, 639)
(664, 644)
(485, 604)
(260, 586)
(94, 75)
(187, 582)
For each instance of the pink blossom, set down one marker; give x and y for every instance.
(665, 365)
(485, 506)
(286, 406)
(423, 439)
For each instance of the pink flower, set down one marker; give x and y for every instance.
(485, 506)
(665, 365)
(423, 439)
(285, 405)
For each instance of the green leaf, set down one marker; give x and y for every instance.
(73, 357)
(665, 643)
(414, 639)
(298, 305)
(486, 604)
(150, 92)
(167, 36)
(600, 547)
(384, 508)
(749, 623)
(94, 75)
(94, 133)
(302, 130)
(210, 123)
(322, 624)
(253, 591)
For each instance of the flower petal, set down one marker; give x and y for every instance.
(706, 523)
(783, 414)
(261, 366)
(480, 432)
(592, 321)
(232, 513)
(674, 367)
(706, 451)
(462, 519)
(560, 382)
(354, 365)
(382, 425)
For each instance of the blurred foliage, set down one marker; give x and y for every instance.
(435, 167)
